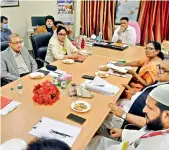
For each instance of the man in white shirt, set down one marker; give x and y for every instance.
(124, 33)
(153, 136)
(118, 114)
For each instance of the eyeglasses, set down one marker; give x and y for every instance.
(149, 48)
(161, 70)
(18, 42)
(62, 34)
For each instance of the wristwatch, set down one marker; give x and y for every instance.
(124, 116)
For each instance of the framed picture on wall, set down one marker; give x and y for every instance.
(9, 3)
(127, 8)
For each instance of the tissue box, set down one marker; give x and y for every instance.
(67, 77)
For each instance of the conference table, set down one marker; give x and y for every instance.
(20, 121)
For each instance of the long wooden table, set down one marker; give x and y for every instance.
(19, 122)
(130, 54)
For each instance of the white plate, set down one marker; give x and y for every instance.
(83, 52)
(36, 75)
(13, 144)
(102, 66)
(102, 72)
(80, 101)
(68, 61)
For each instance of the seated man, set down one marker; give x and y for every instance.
(5, 32)
(136, 103)
(48, 27)
(124, 33)
(153, 136)
(16, 60)
(47, 144)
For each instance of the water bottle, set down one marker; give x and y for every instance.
(100, 36)
(163, 47)
(55, 81)
(20, 87)
(90, 51)
(63, 85)
(83, 43)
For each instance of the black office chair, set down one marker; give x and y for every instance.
(4, 45)
(40, 44)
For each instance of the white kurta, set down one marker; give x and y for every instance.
(159, 142)
(113, 121)
(55, 50)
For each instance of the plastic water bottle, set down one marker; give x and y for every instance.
(63, 85)
(55, 81)
(163, 47)
(90, 51)
(20, 87)
(100, 36)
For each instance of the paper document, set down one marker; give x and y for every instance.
(118, 68)
(50, 128)
(113, 72)
(101, 86)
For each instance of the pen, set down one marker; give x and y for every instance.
(63, 134)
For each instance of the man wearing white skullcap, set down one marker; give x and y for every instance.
(121, 117)
(161, 94)
(153, 136)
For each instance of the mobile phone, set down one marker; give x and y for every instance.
(80, 61)
(88, 77)
(76, 118)
(44, 71)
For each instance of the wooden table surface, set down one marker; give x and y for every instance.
(19, 122)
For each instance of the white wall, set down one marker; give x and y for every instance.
(17, 21)
(20, 17)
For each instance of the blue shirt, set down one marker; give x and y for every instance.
(4, 35)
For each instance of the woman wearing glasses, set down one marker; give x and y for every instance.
(60, 47)
(147, 72)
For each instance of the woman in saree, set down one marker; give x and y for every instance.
(147, 72)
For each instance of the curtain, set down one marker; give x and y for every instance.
(98, 16)
(154, 21)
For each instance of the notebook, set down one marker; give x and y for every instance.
(4, 101)
(7, 105)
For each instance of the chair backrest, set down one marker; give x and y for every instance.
(135, 25)
(4, 45)
(40, 44)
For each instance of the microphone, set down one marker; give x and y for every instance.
(48, 66)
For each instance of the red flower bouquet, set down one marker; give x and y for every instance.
(46, 93)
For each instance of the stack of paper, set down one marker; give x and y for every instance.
(7, 105)
(50, 128)
(101, 86)
(118, 68)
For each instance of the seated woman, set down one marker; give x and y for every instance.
(60, 47)
(147, 72)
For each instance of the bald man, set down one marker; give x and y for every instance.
(153, 136)
(16, 60)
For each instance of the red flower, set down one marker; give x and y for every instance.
(46, 93)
